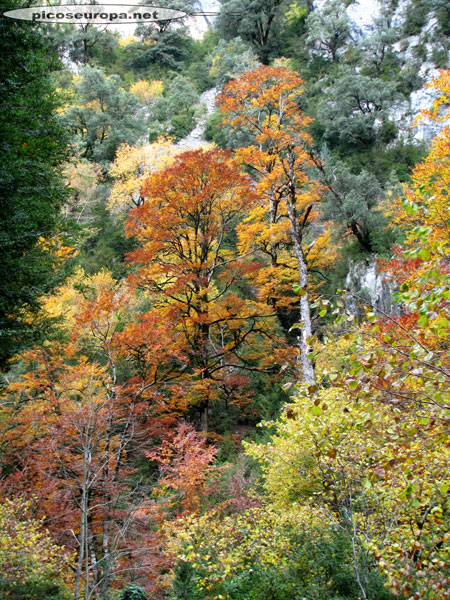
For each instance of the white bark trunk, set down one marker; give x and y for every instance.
(307, 364)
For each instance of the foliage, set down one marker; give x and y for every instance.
(354, 201)
(33, 148)
(264, 553)
(294, 27)
(133, 592)
(185, 463)
(377, 48)
(411, 373)
(218, 133)
(146, 91)
(83, 178)
(167, 47)
(80, 408)
(199, 60)
(132, 167)
(104, 116)
(125, 423)
(30, 562)
(103, 244)
(189, 270)
(175, 111)
(370, 444)
(357, 165)
(256, 22)
(380, 479)
(83, 43)
(264, 102)
(328, 29)
(232, 58)
(356, 108)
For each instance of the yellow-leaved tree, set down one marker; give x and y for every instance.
(132, 166)
(147, 91)
(32, 566)
(371, 445)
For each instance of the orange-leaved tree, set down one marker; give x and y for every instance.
(189, 266)
(186, 464)
(264, 103)
(86, 404)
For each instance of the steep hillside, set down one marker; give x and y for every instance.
(225, 327)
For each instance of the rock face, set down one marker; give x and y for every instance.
(200, 24)
(362, 14)
(196, 138)
(420, 99)
(364, 281)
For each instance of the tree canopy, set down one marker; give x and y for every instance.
(225, 365)
(33, 147)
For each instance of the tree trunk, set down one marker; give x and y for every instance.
(204, 418)
(308, 372)
(204, 336)
(109, 480)
(83, 522)
(85, 58)
(106, 559)
(80, 553)
(91, 546)
(305, 310)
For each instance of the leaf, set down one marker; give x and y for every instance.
(444, 488)
(408, 490)
(423, 321)
(316, 411)
(299, 291)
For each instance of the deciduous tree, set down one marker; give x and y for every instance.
(391, 389)
(84, 405)
(189, 268)
(186, 465)
(32, 566)
(132, 166)
(264, 102)
(146, 92)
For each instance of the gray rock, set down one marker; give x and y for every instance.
(197, 136)
(364, 282)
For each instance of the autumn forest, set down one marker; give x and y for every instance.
(225, 304)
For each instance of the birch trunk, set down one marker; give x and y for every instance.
(307, 365)
(83, 521)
